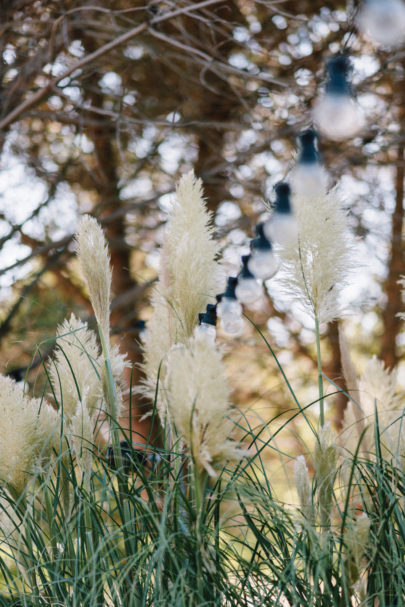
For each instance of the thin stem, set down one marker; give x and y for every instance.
(320, 376)
(112, 400)
(27, 571)
(199, 485)
(111, 391)
(200, 478)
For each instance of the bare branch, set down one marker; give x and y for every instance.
(43, 92)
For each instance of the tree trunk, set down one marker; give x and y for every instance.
(335, 373)
(391, 321)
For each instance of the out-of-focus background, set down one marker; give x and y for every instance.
(104, 104)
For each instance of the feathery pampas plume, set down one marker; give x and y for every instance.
(189, 278)
(94, 259)
(77, 367)
(315, 267)
(377, 385)
(29, 430)
(325, 459)
(356, 539)
(197, 398)
(80, 434)
(377, 390)
(10, 522)
(303, 486)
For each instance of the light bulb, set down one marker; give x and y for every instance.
(263, 264)
(233, 326)
(230, 312)
(248, 290)
(206, 323)
(337, 114)
(141, 326)
(383, 21)
(206, 330)
(282, 227)
(228, 308)
(309, 178)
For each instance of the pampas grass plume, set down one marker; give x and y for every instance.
(94, 259)
(189, 279)
(377, 389)
(356, 539)
(377, 385)
(189, 254)
(303, 486)
(81, 432)
(325, 460)
(76, 367)
(317, 265)
(29, 430)
(198, 401)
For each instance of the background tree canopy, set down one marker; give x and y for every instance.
(105, 104)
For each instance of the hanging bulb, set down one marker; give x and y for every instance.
(228, 306)
(234, 327)
(248, 289)
(140, 325)
(337, 114)
(383, 21)
(309, 178)
(262, 263)
(282, 226)
(229, 309)
(207, 323)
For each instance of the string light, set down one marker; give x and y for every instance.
(263, 263)
(140, 326)
(309, 178)
(336, 114)
(207, 322)
(229, 309)
(383, 21)
(248, 290)
(282, 227)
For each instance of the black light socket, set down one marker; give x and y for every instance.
(283, 204)
(209, 317)
(308, 147)
(261, 242)
(245, 272)
(338, 69)
(230, 289)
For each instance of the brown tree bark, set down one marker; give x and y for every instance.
(217, 107)
(396, 267)
(109, 201)
(335, 373)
